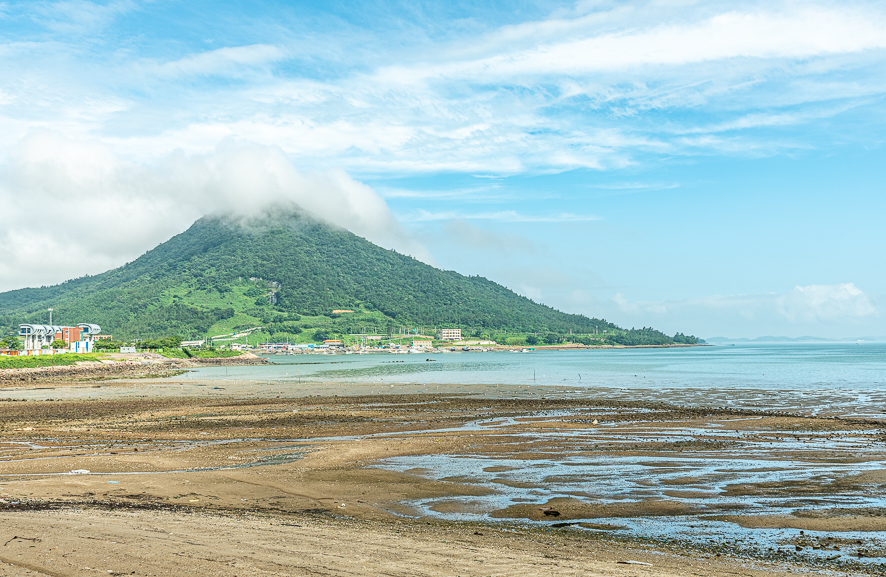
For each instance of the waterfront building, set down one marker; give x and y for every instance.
(79, 339)
(450, 334)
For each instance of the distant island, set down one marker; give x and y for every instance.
(287, 277)
(805, 339)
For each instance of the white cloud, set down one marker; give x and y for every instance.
(79, 16)
(599, 85)
(812, 309)
(218, 61)
(569, 91)
(465, 234)
(633, 308)
(74, 208)
(826, 303)
(501, 215)
(799, 33)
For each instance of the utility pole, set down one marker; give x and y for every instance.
(50, 317)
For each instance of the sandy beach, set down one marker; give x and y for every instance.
(131, 481)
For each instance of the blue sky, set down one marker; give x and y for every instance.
(713, 168)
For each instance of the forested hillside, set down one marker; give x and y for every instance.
(286, 271)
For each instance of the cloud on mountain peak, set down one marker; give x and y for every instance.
(75, 207)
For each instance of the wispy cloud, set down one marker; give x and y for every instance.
(466, 234)
(219, 61)
(597, 88)
(530, 114)
(79, 16)
(502, 216)
(804, 309)
(636, 185)
(826, 303)
(823, 303)
(798, 34)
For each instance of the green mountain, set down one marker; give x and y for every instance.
(286, 273)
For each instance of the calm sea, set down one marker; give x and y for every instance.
(832, 379)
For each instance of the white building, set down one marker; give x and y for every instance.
(37, 336)
(450, 334)
(79, 339)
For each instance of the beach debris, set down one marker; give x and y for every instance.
(631, 562)
(478, 533)
(596, 422)
(80, 471)
(342, 506)
(32, 539)
(549, 512)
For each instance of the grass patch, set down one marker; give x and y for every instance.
(180, 354)
(173, 354)
(215, 354)
(32, 361)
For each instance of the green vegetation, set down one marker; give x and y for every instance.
(169, 342)
(108, 345)
(636, 337)
(210, 354)
(173, 353)
(278, 278)
(10, 342)
(30, 361)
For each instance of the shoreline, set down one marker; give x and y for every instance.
(153, 366)
(580, 347)
(117, 366)
(317, 459)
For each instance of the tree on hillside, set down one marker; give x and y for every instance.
(636, 337)
(551, 339)
(685, 339)
(170, 342)
(107, 345)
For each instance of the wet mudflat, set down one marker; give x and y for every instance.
(766, 487)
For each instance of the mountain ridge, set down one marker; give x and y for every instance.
(287, 270)
(803, 339)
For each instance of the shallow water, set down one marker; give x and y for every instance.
(826, 379)
(570, 463)
(821, 379)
